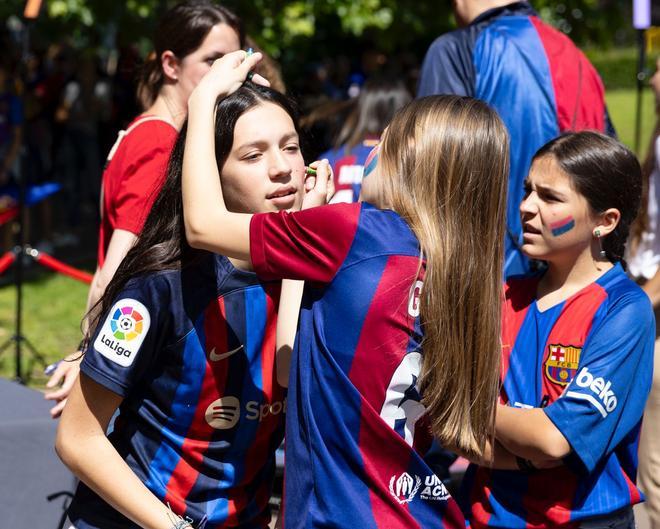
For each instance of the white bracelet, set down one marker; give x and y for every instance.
(177, 521)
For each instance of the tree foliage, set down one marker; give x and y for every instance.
(294, 29)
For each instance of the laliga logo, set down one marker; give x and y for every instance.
(126, 323)
(605, 400)
(404, 488)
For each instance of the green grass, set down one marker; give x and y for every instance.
(622, 105)
(52, 308)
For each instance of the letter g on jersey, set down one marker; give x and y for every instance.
(603, 398)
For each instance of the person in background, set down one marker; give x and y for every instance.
(374, 108)
(11, 124)
(644, 266)
(577, 351)
(538, 81)
(188, 39)
(11, 139)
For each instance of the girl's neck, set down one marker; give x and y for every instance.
(169, 107)
(565, 278)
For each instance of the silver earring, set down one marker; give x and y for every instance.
(602, 252)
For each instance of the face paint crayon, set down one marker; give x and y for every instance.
(372, 161)
(562, 226)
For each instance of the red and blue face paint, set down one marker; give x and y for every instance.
(562, 226)
(371, 161)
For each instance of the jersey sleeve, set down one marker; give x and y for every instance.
(310, 245)
(148, 154)
(605, 400)
(126, 342)
(448, 67)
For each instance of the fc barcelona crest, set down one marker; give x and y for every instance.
(562, 363)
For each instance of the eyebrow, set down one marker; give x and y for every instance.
(285, 138)
(547, 189)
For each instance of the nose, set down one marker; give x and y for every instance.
(278, 167)
(528, 205)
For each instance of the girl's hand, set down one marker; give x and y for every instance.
(319, 189)
(226, 76)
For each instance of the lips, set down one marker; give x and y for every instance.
(527, 228)
(282, 192)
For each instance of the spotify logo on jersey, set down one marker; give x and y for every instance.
(223, 413)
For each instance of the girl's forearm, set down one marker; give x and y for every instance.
(83, 447)
(528, 433)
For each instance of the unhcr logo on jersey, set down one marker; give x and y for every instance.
(405, 487)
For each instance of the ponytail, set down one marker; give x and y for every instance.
(150, 81)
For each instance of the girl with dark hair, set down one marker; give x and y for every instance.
(418, 265)
(577, 350)
(374, 108)
(188, 38)
(184, 345)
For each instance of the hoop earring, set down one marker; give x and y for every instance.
(602, 252)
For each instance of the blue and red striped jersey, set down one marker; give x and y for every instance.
(355, 429)
(348, 169)
(536, 79)
(591, 358)
(193, 354)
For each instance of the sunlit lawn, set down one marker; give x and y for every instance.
(55, 304)
(622, 105)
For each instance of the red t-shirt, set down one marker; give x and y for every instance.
(133, 177)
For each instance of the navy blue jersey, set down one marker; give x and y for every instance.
(539, 83)
(193, 355)
(591, 358)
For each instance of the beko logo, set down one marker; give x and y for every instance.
(604, 401)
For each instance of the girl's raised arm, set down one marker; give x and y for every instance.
(208, 223)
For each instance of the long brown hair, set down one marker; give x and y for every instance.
(447, 162)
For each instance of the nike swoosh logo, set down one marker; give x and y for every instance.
(214, 357)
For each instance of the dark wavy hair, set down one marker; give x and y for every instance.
(181, 30)
(162, 245)
(606, 174)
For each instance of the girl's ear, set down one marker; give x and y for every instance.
(608, 221)
(170, 64)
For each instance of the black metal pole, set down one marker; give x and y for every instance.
(641, 79)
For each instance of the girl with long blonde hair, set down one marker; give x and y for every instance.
(400, 326)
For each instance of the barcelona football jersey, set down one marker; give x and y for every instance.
(348, 166)
(590, 359)
(536, 79)
(355, 424)
(193, 354)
